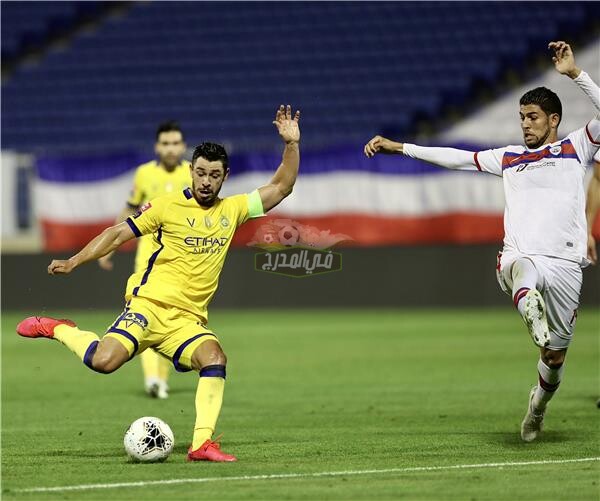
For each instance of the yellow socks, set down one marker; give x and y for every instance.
(164, 366)
(209, 397)
(82, 343)
(155, 366)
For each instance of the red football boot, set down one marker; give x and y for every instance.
(209, 451)
(41, 326)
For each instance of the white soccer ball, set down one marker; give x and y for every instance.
(149, 439)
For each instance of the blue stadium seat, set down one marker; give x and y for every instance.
(222, 68)
(28, 24)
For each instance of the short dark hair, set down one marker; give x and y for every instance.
(211, 152)
(168, 126)
(545, 99)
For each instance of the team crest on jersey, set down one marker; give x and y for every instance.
(224, 221)
(131, 318)
(207, 222)
(143, 208)
(555, 150)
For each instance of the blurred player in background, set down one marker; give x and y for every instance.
(167, 301)
(155, 178)
(545, 241)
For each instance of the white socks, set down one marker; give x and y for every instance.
(549, 381)
(525, 278)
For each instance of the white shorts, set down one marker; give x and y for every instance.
(559, 282)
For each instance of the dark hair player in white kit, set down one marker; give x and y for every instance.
(545, 234)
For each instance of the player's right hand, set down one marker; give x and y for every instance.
(60, 266)
(380, 144)
(564, 59)
(106, 263)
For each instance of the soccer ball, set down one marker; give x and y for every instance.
(149, 439)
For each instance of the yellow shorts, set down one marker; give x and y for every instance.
(172, 332)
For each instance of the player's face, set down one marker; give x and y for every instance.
(170, 148)
(537, 127)
(207, 179)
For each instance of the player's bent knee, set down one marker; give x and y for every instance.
(109, 356)
(208, 353)
(215, 357)
(218, 358)
(105, 364)
(554, 359)
(555, 364)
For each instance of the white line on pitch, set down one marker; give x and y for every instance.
(283, 476)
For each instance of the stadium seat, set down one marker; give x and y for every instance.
(223, 67)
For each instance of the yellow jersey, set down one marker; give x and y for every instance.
(191, 243)
(151, 181)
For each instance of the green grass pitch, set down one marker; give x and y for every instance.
(315, 392)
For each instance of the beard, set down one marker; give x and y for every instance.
(206, 197)
(538, 140)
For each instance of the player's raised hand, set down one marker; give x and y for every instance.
(286, 125)
(564, 59)
(60, 266)
(380, 144)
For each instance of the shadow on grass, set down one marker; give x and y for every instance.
(172, 391)
(108, 453)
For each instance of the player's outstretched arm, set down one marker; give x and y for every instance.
(449, 158)
(107, 241)
(592, 209)
(282, 183)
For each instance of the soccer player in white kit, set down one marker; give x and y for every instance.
(545, 230)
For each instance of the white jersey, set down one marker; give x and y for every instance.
(545, 195)
(544, 190)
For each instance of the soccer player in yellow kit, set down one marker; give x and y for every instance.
(155, 178)
(166, 303)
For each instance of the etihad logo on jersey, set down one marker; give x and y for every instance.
(205, 241)
(206, 245)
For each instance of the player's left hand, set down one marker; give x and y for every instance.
(286, 125)
(564, 59)
(60, 266)
(591, 249)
